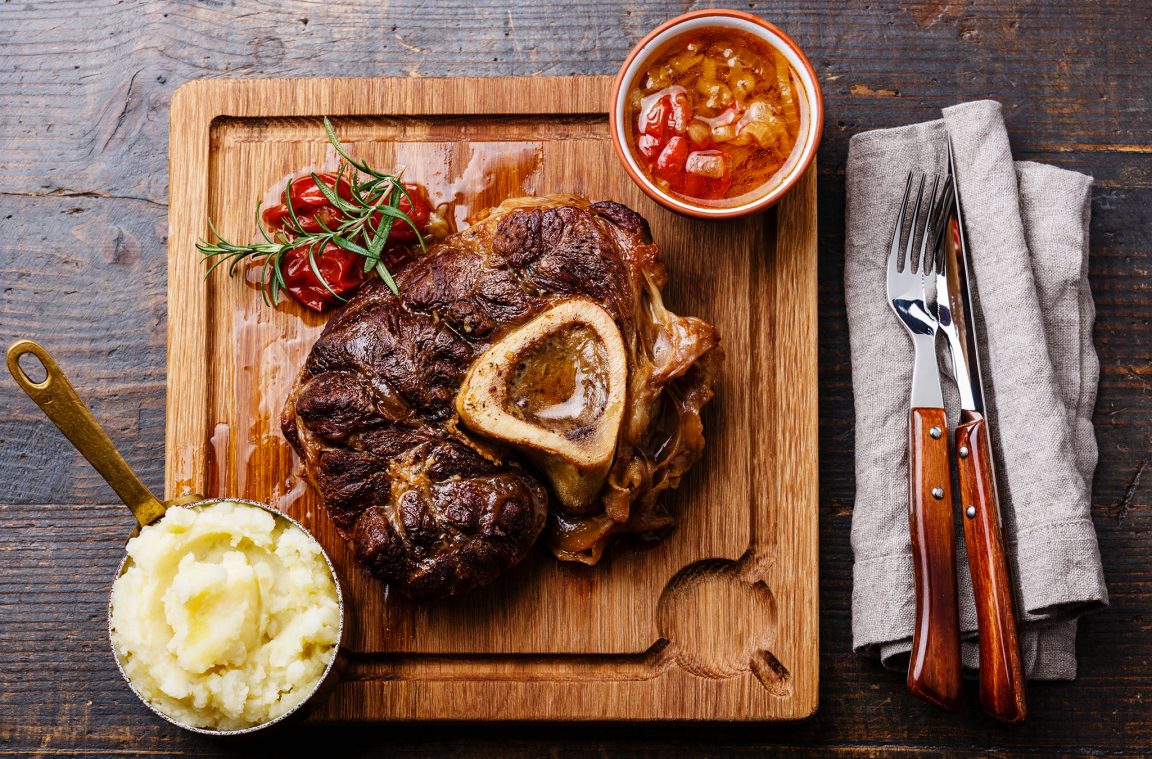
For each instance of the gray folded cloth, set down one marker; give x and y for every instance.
(1027, 230)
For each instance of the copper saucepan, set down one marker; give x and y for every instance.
(59, 401)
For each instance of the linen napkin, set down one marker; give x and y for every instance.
(1027, 228)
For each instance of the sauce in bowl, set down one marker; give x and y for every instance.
(716, 116)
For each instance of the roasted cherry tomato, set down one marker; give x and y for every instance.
(305, 198)
(276, 216)
(304, 193)
(313, 220)
(418, 211)
(343, 271)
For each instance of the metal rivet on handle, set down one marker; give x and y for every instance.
(970, 512)
(963, 451)
(937, 493)
(935, 432)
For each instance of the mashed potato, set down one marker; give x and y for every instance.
(225, 616)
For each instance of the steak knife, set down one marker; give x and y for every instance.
(1001, 678)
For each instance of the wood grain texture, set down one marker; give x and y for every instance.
(1002, 687)
(83, 187)
(934, 671)
(714, 622)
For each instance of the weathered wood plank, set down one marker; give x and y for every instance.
(99, 73)
(83, 276)
(85, 89)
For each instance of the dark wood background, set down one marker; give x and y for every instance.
(84, 92)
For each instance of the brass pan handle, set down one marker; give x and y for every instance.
(56, 398)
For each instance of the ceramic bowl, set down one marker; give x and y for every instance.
(811, 126)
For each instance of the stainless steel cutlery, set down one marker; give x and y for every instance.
(930, 294)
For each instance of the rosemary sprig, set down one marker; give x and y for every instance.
(367, 220)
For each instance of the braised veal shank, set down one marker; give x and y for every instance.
(528, 374)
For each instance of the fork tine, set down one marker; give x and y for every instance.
(894, 249)
(928, 256)
(910, 246)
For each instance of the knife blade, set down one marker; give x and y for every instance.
(1002, 687)
(952, 287)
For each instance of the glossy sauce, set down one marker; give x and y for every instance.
(268, 349)
(716, 116)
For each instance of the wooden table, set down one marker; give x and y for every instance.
(84, 93)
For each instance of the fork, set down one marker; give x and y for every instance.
(934, 670)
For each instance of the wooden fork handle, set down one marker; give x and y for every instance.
(1001, 677)
(934, 671)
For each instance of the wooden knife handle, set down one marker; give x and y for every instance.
(1001, 676)
(934, 671)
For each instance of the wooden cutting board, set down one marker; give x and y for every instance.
(718, 621)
